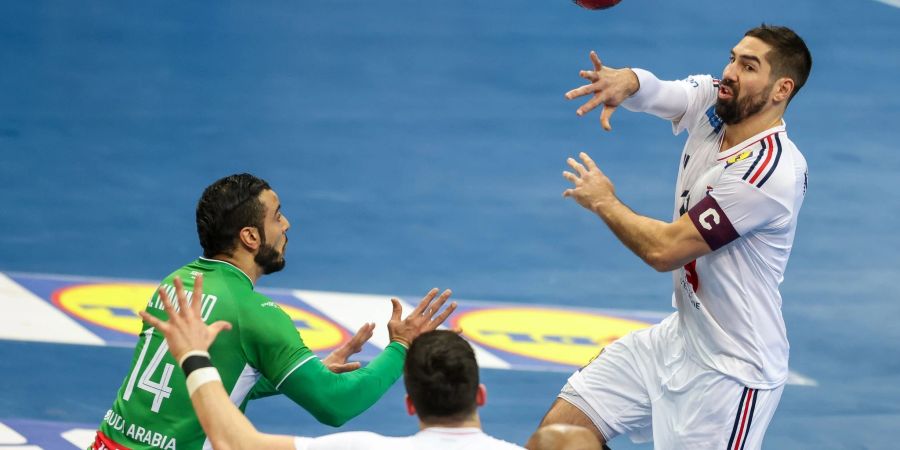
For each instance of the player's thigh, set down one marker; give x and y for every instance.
(752, 418)
(699, 408)
(612, 390)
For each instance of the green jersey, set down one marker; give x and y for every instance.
(264, 349)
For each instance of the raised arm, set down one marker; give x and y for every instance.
(635, 89)
(336, 361)
(333, 398)
(664, 99)
(227, 428)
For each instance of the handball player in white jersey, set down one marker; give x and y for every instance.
(711, 374)
(440, 374)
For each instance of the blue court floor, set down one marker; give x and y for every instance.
(418, 144)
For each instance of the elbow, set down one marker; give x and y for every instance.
(327, 412)
(332, 418)
(660, 261)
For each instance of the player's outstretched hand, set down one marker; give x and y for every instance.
(593, 189)
(609, 87)
(185, 330)
(337, 360)
(420, 320)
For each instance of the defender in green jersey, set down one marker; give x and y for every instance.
(243, 235)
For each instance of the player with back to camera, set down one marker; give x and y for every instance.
(712, 373)
(243, 233)
(440, 374)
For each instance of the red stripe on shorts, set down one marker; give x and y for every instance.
(740, 435)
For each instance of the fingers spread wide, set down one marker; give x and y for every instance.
(426, 301)
(437, 321)
(153, 321)
(596, 61)
(605, 115)
(167, 303)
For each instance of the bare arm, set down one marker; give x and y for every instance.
(662, 245)
(226, 427)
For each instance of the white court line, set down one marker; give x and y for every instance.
(8, 436)
(353, 310)
(800, 380)
(80, 437)
(25, 317)
(894, 3)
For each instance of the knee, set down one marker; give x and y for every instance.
(564, 437)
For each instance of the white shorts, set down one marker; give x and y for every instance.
(645, 386)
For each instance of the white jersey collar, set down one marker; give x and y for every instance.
(725, 154)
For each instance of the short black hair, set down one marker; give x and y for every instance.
(441, 377)
(789, 56)
(226, 206)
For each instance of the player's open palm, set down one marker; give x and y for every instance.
(422, 319)
(185, 330)
(337, 360)
(592, 188)
(609, 87)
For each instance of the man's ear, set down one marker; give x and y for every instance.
(782, 90)
(481, 395)
(249, 237)
(410, 408)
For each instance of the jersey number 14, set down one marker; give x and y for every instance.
(160, 389)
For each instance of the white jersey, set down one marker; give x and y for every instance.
(744, 201)
(433, 438)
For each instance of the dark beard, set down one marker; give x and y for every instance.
(734, 111)
(268, 259)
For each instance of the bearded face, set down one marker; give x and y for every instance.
(268, 258)
(733, 108)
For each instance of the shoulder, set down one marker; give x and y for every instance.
(260, 308)
(771, 166)
(702, 92)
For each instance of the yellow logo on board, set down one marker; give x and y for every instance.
(318, 333)
(115, 306)
(560, 336)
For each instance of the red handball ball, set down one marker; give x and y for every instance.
(596, 4)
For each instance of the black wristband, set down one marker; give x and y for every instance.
(194, 362)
